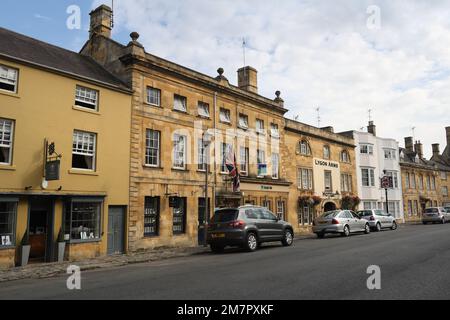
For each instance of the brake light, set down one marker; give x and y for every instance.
(238, 224)
(335, 221)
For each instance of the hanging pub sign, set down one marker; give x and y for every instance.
(52, 170)
(174, 202)
(52, 162)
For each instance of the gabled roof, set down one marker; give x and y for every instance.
(20, 48)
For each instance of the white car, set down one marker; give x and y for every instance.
(378, 219)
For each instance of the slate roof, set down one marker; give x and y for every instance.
(22, 48)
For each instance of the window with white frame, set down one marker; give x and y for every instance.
(260, 126)
(328, 181)
(261, 163)
(444, 191)
(179, 103)
(224, 148)
(154, 96)
(368, 177)
(304, 148)
(225, 115)
(86, 98)
(346, 182)
(152, 148)
(326, 152)
(281, 210)
(243, 121)
(8, 213)
(390, 154)
(6, 141)
(305, 214)
(179, 151)
(8, 78)
(366, 149)
(345, 157)
(203, 109)
(394, 175)
(305, 178)
(443, 175)
(202, 155)
(83, 150)
(275, 165)
(274, 131)
(243, 161)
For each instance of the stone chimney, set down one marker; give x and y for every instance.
(371, 128)
(248, 79)
(329, 129)
(418, 148)
(409, 144)
(101, 19)
(436, 151)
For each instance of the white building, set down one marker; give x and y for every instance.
(375, 158)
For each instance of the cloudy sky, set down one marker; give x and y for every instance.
(336, 55)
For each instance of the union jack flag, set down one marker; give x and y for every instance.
(231, 164)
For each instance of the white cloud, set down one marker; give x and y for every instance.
(318, 53)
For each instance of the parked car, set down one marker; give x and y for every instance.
(378, 219)
(447, 208)
(340, 221)
(247, 227)
(435, 215)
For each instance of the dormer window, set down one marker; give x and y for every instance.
(86, 98)
(8, 78)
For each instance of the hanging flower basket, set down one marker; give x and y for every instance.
(316, 200)
(305, 201)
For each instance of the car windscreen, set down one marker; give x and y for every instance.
(431, 210)
(225, 215)
(330, 214)
(364, 213)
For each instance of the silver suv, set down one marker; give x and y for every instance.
(378, 219)
(435, 215)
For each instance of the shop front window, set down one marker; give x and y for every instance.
(8, 211)
(179, 217)
(83, 219)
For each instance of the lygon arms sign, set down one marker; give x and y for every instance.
(325, 163)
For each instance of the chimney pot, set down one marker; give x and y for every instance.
(248, 79)
(418, 148)
(371, 128)
(436, 150)
(409, 144)
(101, 21)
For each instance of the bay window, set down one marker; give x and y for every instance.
(368, 177)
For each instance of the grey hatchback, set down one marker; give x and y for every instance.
(247, 227)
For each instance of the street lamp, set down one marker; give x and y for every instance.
(206, 141)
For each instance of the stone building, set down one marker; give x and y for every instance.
(62, 177)
(420, 180)
(172, 108)
(442, 162)
(321, 167)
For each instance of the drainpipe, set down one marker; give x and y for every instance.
(213, 200)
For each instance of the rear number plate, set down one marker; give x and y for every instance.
(218, 235)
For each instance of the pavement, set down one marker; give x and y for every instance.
(414, 262)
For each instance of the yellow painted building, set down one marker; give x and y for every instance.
(64, 153)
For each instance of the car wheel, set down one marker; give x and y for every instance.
(367, 229)
(217, 248)
(346, 232)
(320, 235)
(251, 242)
(288, 238)
(394, 225)
(378, 227)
